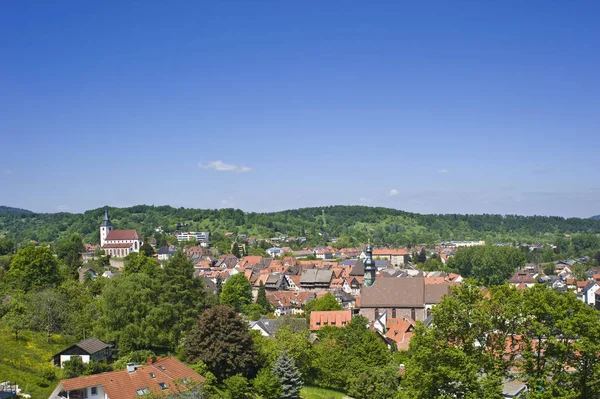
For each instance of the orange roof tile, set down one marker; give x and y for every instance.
(336, 318)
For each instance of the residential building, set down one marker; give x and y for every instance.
(118, 243)
(268, 327)
(274, 251)
(334, 318)
(165, 253)
(316, 279)
(89, 350)
(201, 237)
(164, 375)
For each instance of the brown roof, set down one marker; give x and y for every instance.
(336, 318)
(522, 276)
(394, 292)
(389, 251)
(123, 385)
(118, 235)
(400, 331)
(435, 292)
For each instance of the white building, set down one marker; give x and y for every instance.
(201, 237)
(273, 252)
(118, 243)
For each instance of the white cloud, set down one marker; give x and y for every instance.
(221, 166)
(443, 171)
(227, 203)
(7, 172)
(393, 192)
(63, 208)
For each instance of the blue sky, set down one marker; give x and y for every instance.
(262, 105)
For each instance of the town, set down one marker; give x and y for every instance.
(393, 296)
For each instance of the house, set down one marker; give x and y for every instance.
(324, 253)
(274, 251)
(587, 291)
(118, 243)
(397, 256)
(334, 318)
(268, 327)
(164, 375)
(165, 253)
(316, 279)
(276, 281)
(401, 297)
(89, 350)
(303, 254)
(513, 389)
(522, 277)
(399, 332)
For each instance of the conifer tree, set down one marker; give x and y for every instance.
(235, 250)
(289, 376)
(262, 300)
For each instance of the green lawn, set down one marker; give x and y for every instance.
(320, 393)
(27, 362)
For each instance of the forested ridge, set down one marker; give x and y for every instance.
(353, 224)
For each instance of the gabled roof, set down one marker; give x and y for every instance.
(90, 346)
(122, 384)
(119, 235)
(358, 269)
(335, 318)
(316, 276)
(396, 292)
(118, 245)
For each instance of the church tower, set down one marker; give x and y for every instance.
(370, 268)
(105, 228)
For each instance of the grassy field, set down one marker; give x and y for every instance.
(27, 362)
(320, 393)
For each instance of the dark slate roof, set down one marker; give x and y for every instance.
(312, 276)
(272, 325)
(90, 346)
(358, 269)
(166, 251)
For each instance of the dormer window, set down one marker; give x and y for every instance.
(142, 391)
(162, 385)
(152, 375)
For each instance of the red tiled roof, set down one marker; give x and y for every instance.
(120, 235)
(123, 385)
(336, 318)
(400, 331)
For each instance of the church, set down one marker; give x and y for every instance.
(118, 243)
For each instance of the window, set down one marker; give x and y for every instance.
(376, 313)
(94, 391)
(162, 368)
(162, 385)
(142, 391)
(413, 314)
(393, 313)
(152, 375)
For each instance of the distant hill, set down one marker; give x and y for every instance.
(352, 225)
(9, 209)
(597, 217)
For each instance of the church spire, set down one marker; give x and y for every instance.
(370, 268)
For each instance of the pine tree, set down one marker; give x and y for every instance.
(289, 376)
(422, 256)
(262, 300)
(235, 250)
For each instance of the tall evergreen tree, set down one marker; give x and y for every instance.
(289, 376)
(422, 256)
(262, 300)
(235, 250)
(184, 297)
(146, 248)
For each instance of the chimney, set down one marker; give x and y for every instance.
(131, 368)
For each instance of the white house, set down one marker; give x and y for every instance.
(274, 251)
(201, 237)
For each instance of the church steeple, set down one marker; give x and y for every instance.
(105, 228)
(370, 268)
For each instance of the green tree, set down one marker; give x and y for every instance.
(69, 251)
(16, 315)
(489, 265)
(237, 387)
(141, 263)
(261, 299)
(288, 375)
(235, 250)
(221, 339)
(147, 249)
(184, 299)
(33, 268)
(50, 312)
(7, 246)
(266, 385)
(237, 292)
(375, 383)
(422, 256)
(74, 367)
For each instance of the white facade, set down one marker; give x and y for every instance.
(202, 237)
(91, 392)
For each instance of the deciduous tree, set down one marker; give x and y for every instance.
(237, 292)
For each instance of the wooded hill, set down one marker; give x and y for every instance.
(352, 225)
